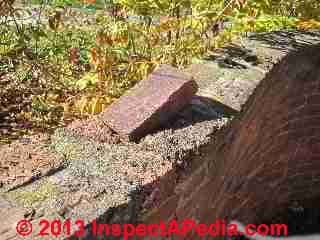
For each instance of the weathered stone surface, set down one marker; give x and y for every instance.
(12, 215)
(26, 160)
(150, 103)
(231, 74)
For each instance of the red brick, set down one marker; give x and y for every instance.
(314, 99)
(296, 101)
(150, 103)
(304, 121)
(315, 148)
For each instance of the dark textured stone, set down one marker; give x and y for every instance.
(150, 103)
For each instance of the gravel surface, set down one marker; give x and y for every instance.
(178, 145)
(94, 129)
(26, 160)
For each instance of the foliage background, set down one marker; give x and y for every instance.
(67, 59)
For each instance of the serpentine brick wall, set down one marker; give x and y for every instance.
(268, 157)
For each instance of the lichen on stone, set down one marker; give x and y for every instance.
(34, 196)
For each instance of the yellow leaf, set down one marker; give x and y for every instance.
(96, 105)
(81, 105)
(66, 107)
(307, 25)
(168, 23)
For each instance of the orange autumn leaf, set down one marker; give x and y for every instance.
(154, 39)
(120, 39)
(89, 1)
(74, 56)
(94, 56)
(168, 23)
(103, 38)
(308, 24)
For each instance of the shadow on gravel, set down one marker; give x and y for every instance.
(199, 110)
(282, 41)
(226, 56)
(286, 40)
(148, 198)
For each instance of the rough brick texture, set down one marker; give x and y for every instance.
(267, 158)
(150, 103)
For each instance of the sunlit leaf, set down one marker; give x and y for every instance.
(307, 25)
(89, 79)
